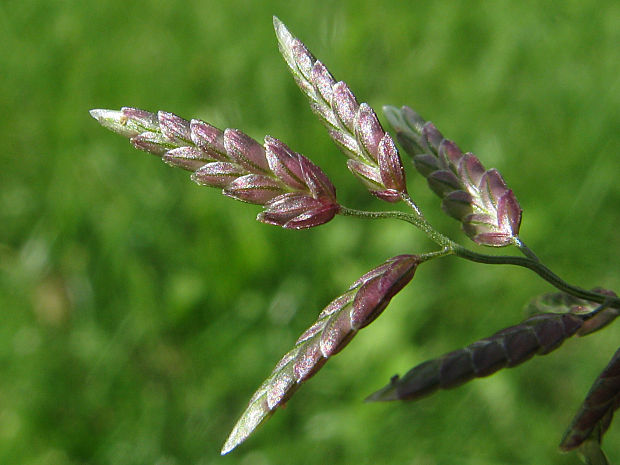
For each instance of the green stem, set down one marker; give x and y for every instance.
(540, 269)
(525, 249)
(439, 253)
(409, 201)
(416, 219)
(450, 247)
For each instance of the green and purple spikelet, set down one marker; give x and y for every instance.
(478, 198)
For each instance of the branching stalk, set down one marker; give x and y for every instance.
(531, 261)
(296, 194)
(542, 271)
(525, 249)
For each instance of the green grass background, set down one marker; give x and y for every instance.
(139, 311)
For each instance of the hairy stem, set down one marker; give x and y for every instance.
(417, 220)
(409, 201)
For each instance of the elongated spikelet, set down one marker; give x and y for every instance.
(597, 410)
(539, 334)
(354, 127)
(478, 198)
(336, 325)
(295, 192)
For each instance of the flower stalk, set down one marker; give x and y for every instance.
(296, 194)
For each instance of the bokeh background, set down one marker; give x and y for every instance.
(139, 311)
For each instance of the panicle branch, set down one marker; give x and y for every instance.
(478, 198)
(354, 127)
(336, 325)
(295, 192)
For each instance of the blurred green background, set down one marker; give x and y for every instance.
(140, 312)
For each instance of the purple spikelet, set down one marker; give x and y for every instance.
(336, 325)
(596, 412)
(354, 127)
(539, 334)
(295, 192)
(478, 198)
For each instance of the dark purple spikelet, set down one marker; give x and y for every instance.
(596, 412)
(336, 325)
(354, 127)
(295, 192)
(478, 198)
(539, 334)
